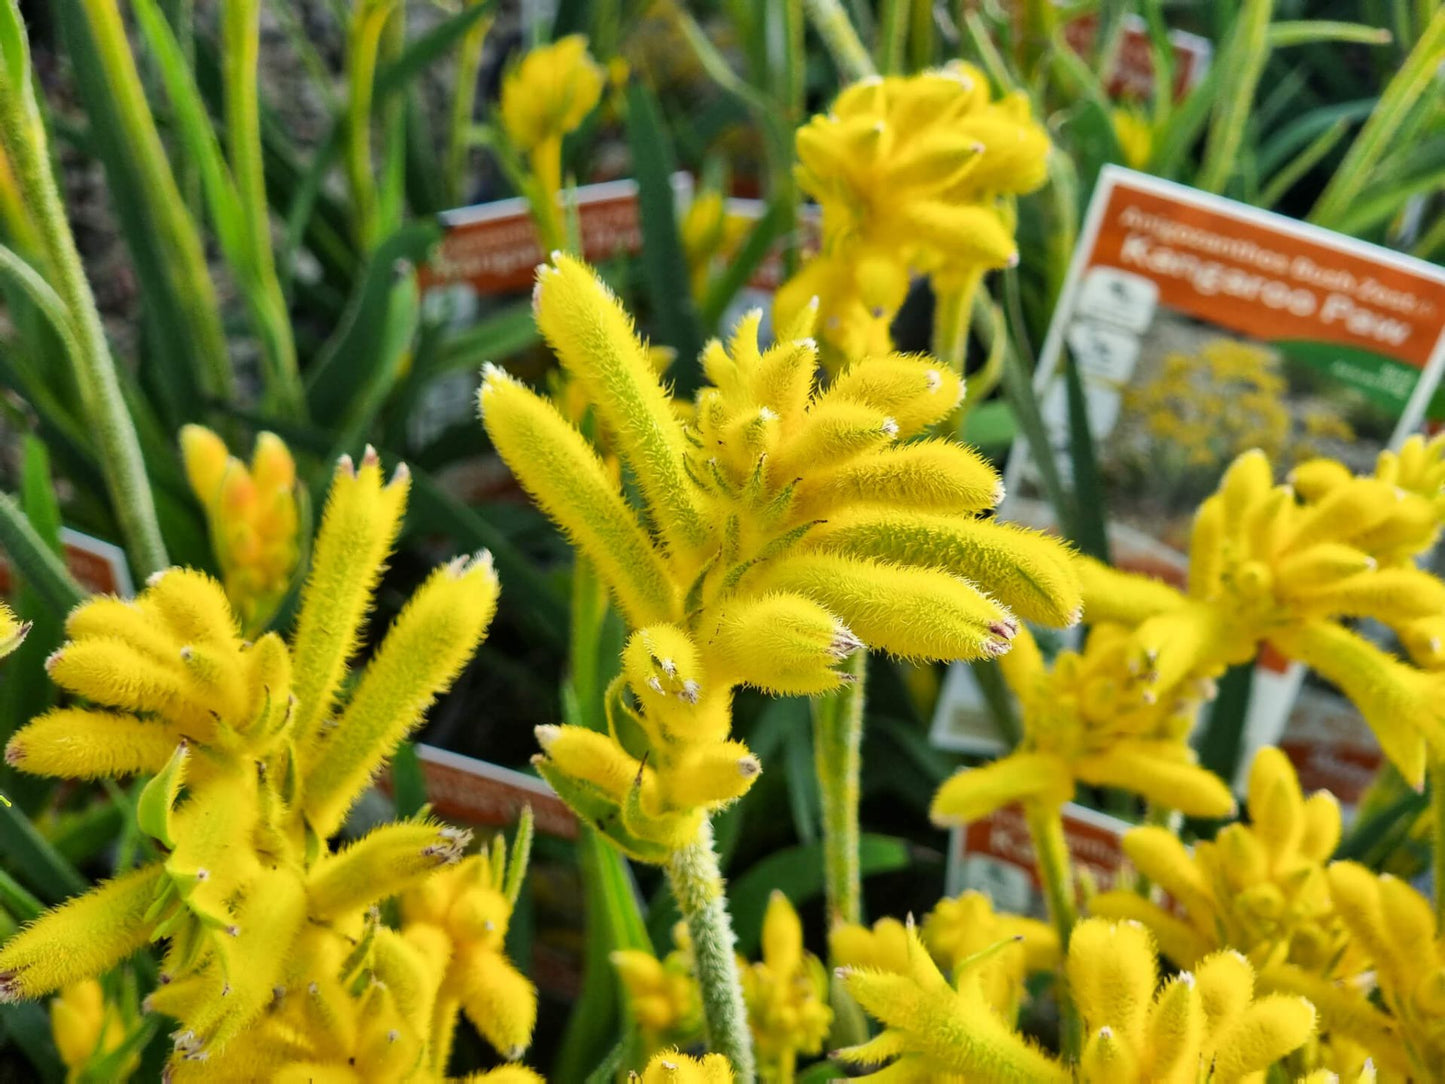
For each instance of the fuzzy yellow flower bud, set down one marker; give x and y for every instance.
(670, 1067)
(550, 93)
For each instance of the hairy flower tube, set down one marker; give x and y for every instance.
(1204, 1024)
(257, 755)
(662, 995)
(251, 514)
(913, 176)
(12, 630)
(786, 993)
(785, 528)
(544, 98)
(1286, 565)
(936, 1031)
(1091, 718)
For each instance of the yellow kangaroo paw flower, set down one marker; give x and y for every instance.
(1225, 981)
(81, 938)
(1032, 573)
(360, 523)
(781, 643)
(1343, 514)
(973, 793)
(1314, 478)
(113, 673)
(1321, 566)
(909, 612)
(1401, 704)
(1424, 639)
(1392, 596)
(1344, 1010)
(193, 606)
(134, 621)
(1206, 549)
(1151, 769)
(1177, 940)
(1107, 1058)
(567, 479)
(82, 743)
(1265, 1032)
(1112, 971)
(595, 341)
(710, 774)
(929, 475)
(499, 1001)
(1158, 854)
(410, 852)
(1246, 481)
(785, 375)
(1123, 598)
(432, 639)
(1276, 805)
(835, 432)
(1176, 1032)
(915, 391)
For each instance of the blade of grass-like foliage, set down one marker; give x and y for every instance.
(341, 366)
(1367, 836)
(363, 47)
(31, 859)
(740, 267)
(1290, 174)
(426, 49)
(36, 561)
(164, 241)
(27, 1025)
(1384, 201)
(496, 336)
(378, 374)
(664, 266)
(1402, 95)
(1311, 31)
(1277, 148)
(1241, 63)
(1220, 745)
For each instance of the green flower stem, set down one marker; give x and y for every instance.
(1051, 851)
(834, 27)
(837, 752)
(697, 885)
(120, 455)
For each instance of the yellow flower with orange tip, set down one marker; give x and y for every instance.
(257, 758)
(1396, 926)
(662, 995)
(1204, 1024)
(459, 917)
(1286, 564)
(786, 527)
(670, 1067)
(786, 995)
(87, 1026)
(252, 517)
(912, 175)
(934, 1031)
(1091, 718)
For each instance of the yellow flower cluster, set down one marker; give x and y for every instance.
(274, 957)
(913, 176)
(1200, 1025)
(1286, 565)
(786, 528)
(251, 514)
(957, 930)
(662, 994)
(1258, 888)
(1093, 718)
(786, 994)
(670, 1067)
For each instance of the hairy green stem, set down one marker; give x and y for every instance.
(697, 885)
(26, 144)
(836, 30)
(837, 753)
(1051, 852)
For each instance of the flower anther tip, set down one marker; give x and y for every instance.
(655, 684)
(401, 475)
(843, 972)
(1013, 259)
(813, 304)
(515, 1052)
(369, 458)
(546, 735)
(1106, 1032)
(10, 990)
(934, 379)
(345, 466)
(14, 753)
(1187, 978)
(890, 427)
(807, 343)
(767, 415)
(53, 659)
(669, 667)
(749, 766)
(691, 690)
(156, 577)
